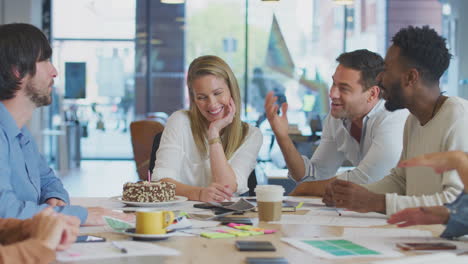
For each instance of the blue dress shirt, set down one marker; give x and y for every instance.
(26, 181)
(457, 224)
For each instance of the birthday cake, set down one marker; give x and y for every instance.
(148, 192)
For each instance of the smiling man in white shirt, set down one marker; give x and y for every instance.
(358, 129)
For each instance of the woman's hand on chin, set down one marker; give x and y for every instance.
(217, 125)
(215, 193)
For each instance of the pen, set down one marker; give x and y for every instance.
(336, 209)
(119, 247)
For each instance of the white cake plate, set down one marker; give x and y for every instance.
(177, 199)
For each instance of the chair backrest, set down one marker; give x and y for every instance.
(142, 134)
(252, 183)
(161, 117)
(315, 123)
(154, 149)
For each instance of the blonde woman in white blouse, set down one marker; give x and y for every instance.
(207, 151)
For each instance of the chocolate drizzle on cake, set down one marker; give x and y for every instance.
(144, 191)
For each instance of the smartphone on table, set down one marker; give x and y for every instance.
(266, 260)
(88, 238)
(427, 246)
(254, 245)
(237, 220)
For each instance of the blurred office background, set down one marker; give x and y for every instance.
(125, 60)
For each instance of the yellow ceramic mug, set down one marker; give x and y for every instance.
(153, 223)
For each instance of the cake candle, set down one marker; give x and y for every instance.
(149, 176)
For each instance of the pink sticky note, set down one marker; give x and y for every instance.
(233, 225)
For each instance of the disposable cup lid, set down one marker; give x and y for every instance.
(269, 188)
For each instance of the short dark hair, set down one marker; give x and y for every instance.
(424, 50)
(21, 46)
(369, 63)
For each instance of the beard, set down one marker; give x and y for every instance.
(343, 114)
(394, 100)
(38, 98)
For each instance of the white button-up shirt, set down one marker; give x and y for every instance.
(179, 158)
(373, 157)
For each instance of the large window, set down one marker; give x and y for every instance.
(132, 57)
(94, 52)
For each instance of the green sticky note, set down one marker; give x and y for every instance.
(216, 235)
(254, 233)
(240, 233)
(244, 227)
(117, 224)
(184, 214)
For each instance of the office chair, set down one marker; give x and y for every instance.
(142, 135)
(154, 149)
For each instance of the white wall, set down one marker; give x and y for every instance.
(25, 11)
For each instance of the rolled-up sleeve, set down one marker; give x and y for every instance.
(326, 159)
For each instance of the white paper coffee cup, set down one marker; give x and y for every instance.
(269, 201)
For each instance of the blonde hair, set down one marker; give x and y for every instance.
(233, 135)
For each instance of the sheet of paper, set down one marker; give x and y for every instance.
(203, 224)
(332, 211)
(385, 232)
(330, 217)
(94, 251)
(306, 202)
(94, 229)
(339, 247)
(198, 231)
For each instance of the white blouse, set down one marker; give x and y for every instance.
(178, 157)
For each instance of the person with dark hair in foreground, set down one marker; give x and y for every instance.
(413, 66)
(36, 240)
(358, 129)
(27, 183)
(454, 215)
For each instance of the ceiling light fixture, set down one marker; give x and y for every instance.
(343, 2)
(172, 1)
